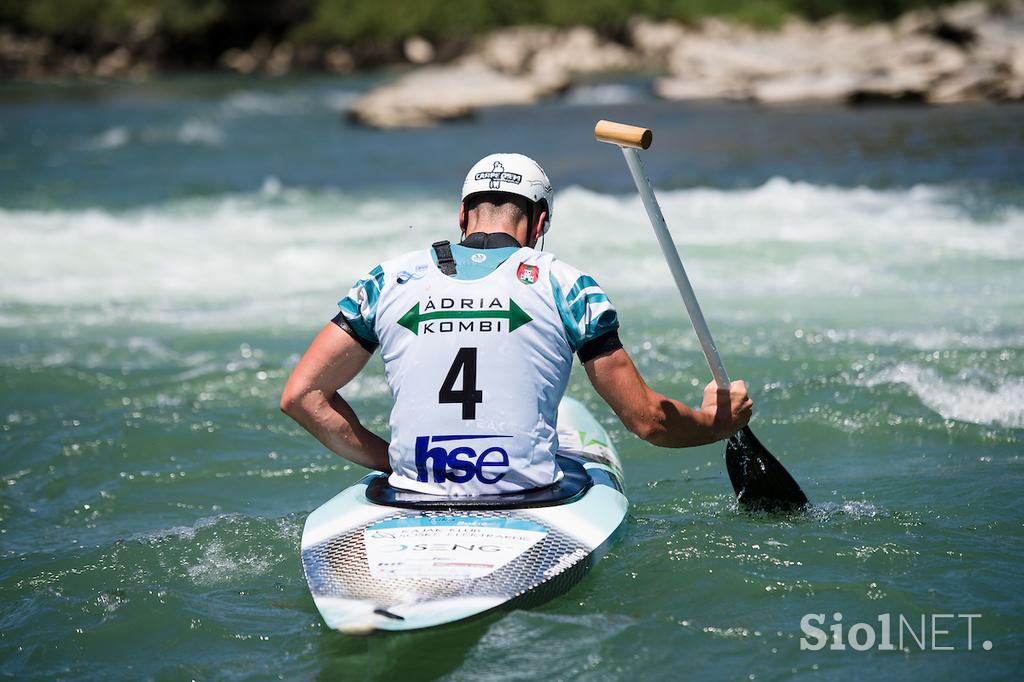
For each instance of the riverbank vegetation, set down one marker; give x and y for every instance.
(198, 33)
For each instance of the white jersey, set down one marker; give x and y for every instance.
(477, 367)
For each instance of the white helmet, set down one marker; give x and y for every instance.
(512, 173)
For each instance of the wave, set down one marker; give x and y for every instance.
(799, 213)
(194, 131)
(942, 338)
(970, 396)
(254, 102)
(603, 94)
(284, 103)
(207, 124)
(111, 138)
(283, 252)
(191, 131)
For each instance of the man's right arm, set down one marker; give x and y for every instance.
(660, 420)
(311, 398)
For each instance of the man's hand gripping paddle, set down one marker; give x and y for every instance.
(760, 481)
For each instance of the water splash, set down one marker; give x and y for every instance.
(971, 395)
(291, 250)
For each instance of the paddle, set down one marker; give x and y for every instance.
(759, 480)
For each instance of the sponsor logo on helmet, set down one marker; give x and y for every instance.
(484, 462)
(499, 175)
(527, 274)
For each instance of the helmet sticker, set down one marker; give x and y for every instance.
(499, 175)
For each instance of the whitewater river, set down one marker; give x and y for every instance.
(170, 249)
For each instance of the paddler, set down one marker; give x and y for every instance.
(477, 340)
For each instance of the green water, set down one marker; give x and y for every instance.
(169, 251)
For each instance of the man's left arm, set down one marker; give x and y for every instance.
(311, 398)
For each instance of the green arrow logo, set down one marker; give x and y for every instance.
(515, 315)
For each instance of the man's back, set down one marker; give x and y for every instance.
(477, 361)
(477, 341)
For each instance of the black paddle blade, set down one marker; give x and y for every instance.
(760, 481)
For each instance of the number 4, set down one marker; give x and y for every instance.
(468, 396)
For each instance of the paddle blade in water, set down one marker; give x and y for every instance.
(760, 481)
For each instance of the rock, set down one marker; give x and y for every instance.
(549, 55)
(22, 55)
(280, 60)
(918, 21)
(511, 66)
(239, 61)
(965, 15)
(418, 50)
(263, 55)
(441, 93)
(960, 53)
(976, 83)
(77, 64)
(724, 60)
(251, 60)
(654, 41)
(511, 50)
(145, 27)
(115, 63)
(581, 50)
(804, 87)
(338, 60)
(308, 57)
(698, 89)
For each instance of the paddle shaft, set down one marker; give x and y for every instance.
(675, 265)
(759, 480)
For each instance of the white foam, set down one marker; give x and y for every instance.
(219, 565)
(185, 532)
(942, 338)
(601, 94)
(798, 213)
(250, 102)
(111, 138)
(970, 396)
(196, 131)
(286, 255)
(283, 102)
(208, 127)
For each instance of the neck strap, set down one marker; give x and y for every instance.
(445, 261)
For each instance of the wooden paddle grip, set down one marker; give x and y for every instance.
(623, 135)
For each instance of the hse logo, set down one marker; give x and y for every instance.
(498, 175)
(446, 315)
(462, 463)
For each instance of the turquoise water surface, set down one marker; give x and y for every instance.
(170, 249)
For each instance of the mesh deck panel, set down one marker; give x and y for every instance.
(338, 567)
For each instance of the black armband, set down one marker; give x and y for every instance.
(340, 320)
(602, 345)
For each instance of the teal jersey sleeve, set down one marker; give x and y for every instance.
(359, 307)
(586, 311)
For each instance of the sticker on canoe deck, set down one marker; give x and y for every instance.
(451, 547)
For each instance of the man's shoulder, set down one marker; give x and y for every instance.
(405, 261)
(401, 268)
(568, 276)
